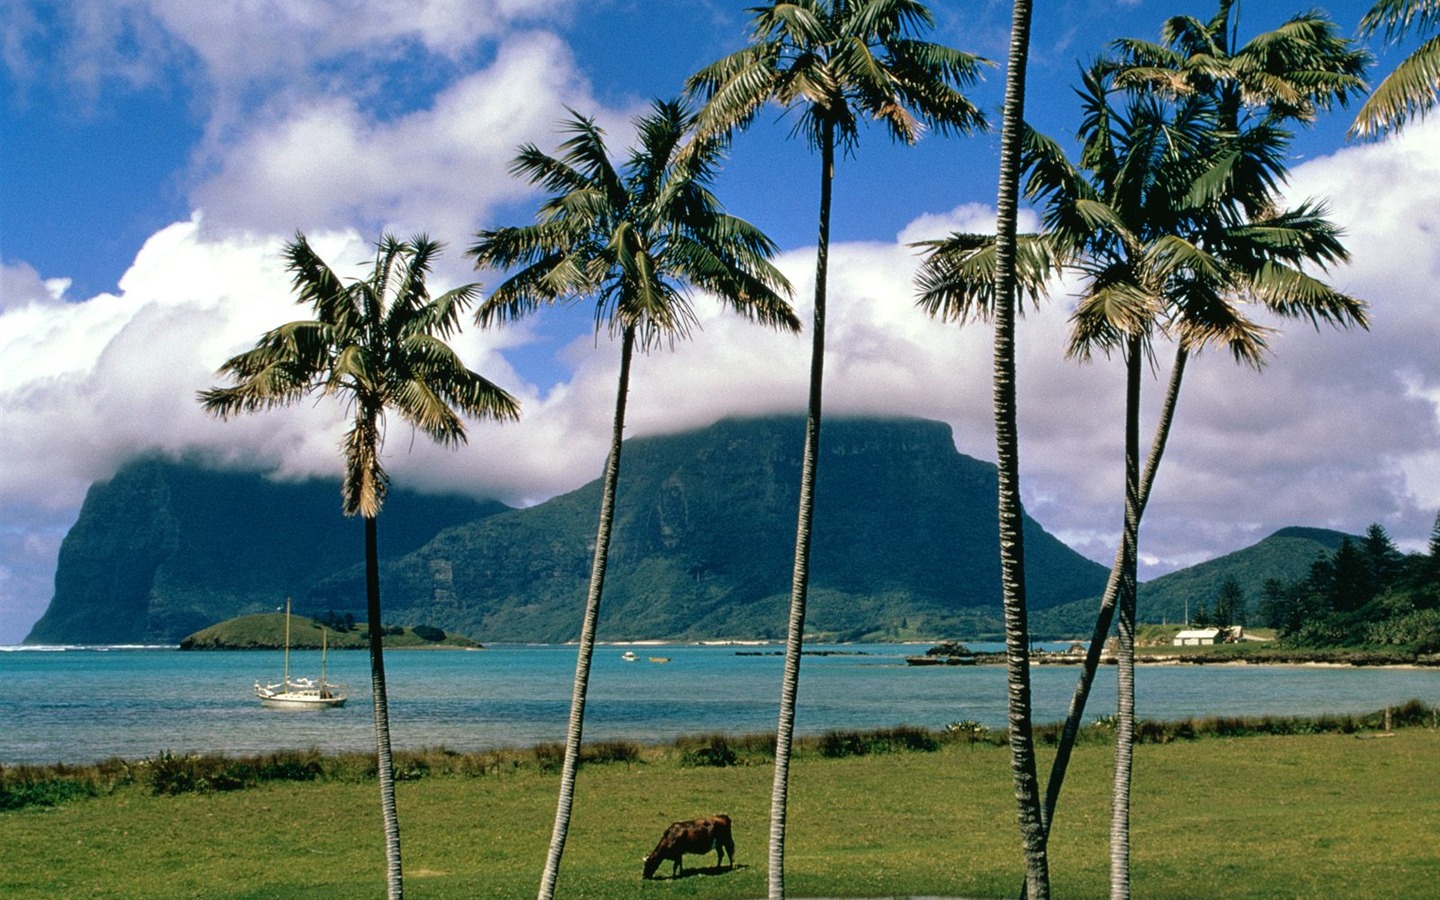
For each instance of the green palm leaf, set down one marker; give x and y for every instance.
(956, 282)
(1408, 92)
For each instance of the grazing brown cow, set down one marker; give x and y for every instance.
(698, 836)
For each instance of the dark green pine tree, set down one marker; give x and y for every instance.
(1426, 578)
(1351, 585)
(1384, 559)
(1278, 606)
(1230, 604)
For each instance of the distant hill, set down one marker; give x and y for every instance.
(1286, 555)
(165, 548)
(266, 631)
(904, 544)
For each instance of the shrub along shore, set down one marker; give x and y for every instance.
(1257, 807)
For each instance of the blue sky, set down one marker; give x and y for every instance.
(154, 154)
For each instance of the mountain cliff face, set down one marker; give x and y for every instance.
(703, 546)
(904, 544)
(164, 549)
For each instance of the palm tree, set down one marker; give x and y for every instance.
(1166, 241)
(1007, 452)
(1154, 221)
(1283, 75)
(379, 344)
(1252, 90)
(1410, 90)
(633, 241)
(835, 62)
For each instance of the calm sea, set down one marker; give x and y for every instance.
(86, 704)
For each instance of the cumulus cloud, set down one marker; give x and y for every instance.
(330, 162)
(236, 46)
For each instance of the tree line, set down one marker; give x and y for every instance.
(1364, 593)
(1170, 217)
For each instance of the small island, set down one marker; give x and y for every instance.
(266, 631)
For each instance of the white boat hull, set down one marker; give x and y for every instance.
(299, 695)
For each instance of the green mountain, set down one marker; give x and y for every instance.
(1286, 555)
(165, 548)
(905, 530)
(904, 537)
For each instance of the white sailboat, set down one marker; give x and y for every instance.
(301, 693)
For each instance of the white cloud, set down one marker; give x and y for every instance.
(237, 45)
(21, 285)
(244, 40)
(329, 163)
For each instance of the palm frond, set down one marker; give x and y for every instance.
(803, 23)
(585, 151)
(956, 281)
(1300, 236)
(545, 171)
(1114, 310)
(1287, 291)
(316, 285)
(1408, 92)
(927, 78)
(1193, 37)
(366, 483)
(884, 19)
(1172, 256)
(1204, 318)
(1397, 17)
(734, 89)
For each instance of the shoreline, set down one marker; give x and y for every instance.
(743, 647)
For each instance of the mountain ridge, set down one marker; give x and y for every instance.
(1285, 554)
(702, 548)
(703, 542)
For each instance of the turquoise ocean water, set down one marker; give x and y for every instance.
(86, 704)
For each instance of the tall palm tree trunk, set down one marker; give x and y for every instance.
(800, 576)
(1125, 628)
(587, 629)
(1007, 449)
(384, 762)
(1106, 616)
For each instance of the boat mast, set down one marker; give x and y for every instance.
(287, 643)
(322, 660)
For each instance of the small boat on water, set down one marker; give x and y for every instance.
(301, 693)
(629, 656)
(659, 659)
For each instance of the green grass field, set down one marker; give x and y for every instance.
(1326, 815)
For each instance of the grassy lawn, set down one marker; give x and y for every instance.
(1290, 816)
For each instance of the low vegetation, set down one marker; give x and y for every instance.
(266, 631)
(167, 774)
(1264, 807)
